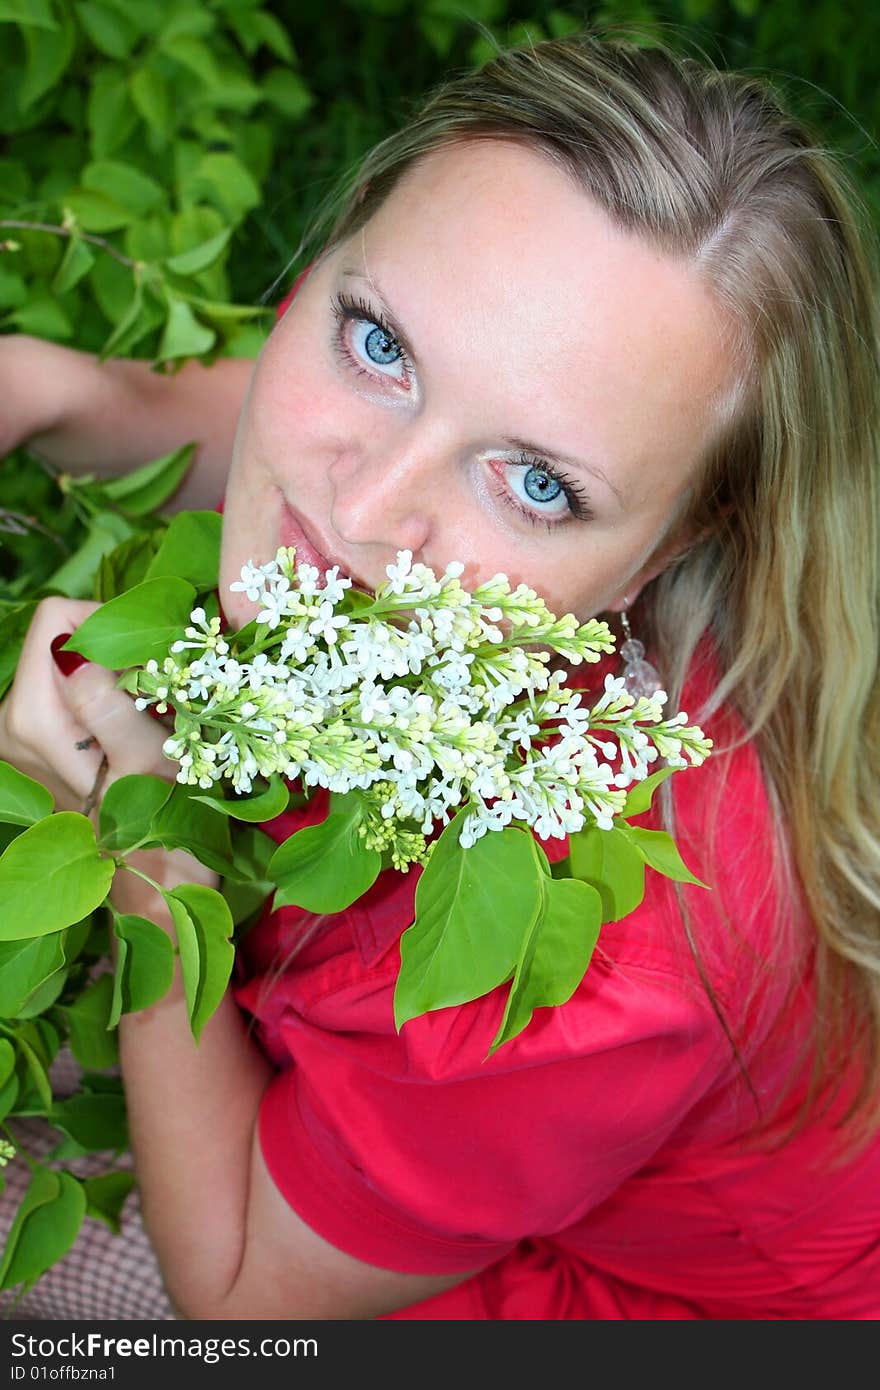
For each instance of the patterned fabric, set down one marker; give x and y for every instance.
(105, 1277)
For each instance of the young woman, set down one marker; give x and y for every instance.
(602, 318)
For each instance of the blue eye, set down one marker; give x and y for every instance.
(373, 344)
(367, 343)
(540, 486)
(540, 490)
(380, 348)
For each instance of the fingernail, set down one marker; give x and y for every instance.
(67, 662)
(154, 711)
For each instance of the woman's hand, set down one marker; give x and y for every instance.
(59, 728)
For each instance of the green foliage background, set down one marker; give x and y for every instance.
(196, 138)
(161, 162)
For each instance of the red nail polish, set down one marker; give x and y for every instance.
(154, 711)
(67, 662)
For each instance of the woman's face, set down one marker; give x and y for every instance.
(490, 372)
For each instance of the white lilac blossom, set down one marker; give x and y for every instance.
(426, 699)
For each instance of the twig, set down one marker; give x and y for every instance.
(18, 524)
(92, 798)
(70, 231)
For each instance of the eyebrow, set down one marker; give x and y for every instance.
(526, 446)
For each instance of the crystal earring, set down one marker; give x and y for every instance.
(638, 675)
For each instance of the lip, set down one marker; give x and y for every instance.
(295, 531)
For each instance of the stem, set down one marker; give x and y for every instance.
(17, 524)
(70, 231)
(146, 877)
(92, 798)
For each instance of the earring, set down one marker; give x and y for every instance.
(638, 675)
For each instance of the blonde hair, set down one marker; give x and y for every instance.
(707, 165)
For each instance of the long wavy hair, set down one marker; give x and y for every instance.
(707, 166)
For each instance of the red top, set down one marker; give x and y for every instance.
(597, 1159)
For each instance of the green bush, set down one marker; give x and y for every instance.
(179, 148)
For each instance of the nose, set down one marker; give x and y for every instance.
(389, 492)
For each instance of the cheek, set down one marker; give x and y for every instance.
(289, 406)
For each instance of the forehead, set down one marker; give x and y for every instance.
(504, 273)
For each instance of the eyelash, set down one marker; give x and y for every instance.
(347, 309)
(579, 508)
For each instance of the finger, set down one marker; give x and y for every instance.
(131, 740)
(40, 732)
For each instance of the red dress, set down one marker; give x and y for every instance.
(596, 1163)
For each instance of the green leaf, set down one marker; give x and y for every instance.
(78, 261)
(183, 335)
(325, 867)
(256, 27)
(224, 314)
(95, 1121)
(136, 627)
(474, 909)
(222, 179)
(125, 184)
(152, 100)
(49, 54)
(128, 809)
(189, 19)
(288, 93)
(144, 965)
(554, 955)
(7, 1060)
(8, 833)
(273, 34)
(13, 288)
(106, 1196)
(124, 567)
(91, 1039)
(22, 800)
(40, 1000)
(45, 1226)
(36, 1060)
(28, 12)
(200, 257)
(191, 227)
(203, 924)
(111, 118)
(76, 576)
(246, 885)
(190, 550)
(14, 626)
(658, 849)
(266, 806)
(95, 212)
(127, 323)
(9, 1091)
(193, 55)
(44, 317)
(51, 876)
(641, 796)
(108, 30)
(183, 823)
(24, 966)
(611, 864)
